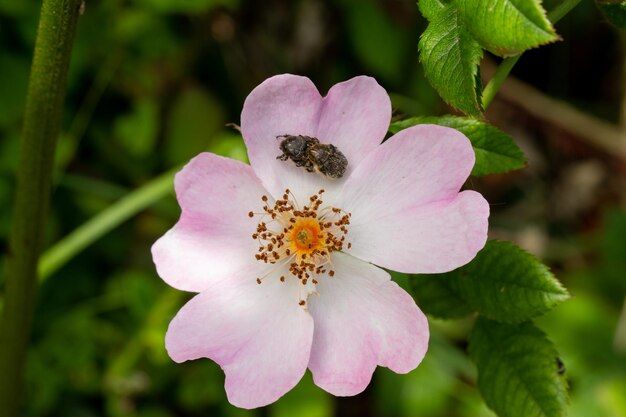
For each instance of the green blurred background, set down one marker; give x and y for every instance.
(154, 82)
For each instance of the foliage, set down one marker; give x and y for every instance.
(503, 283)
(496, 152)
(518, 370)
(507, 27)
(447, 44)
(451, 47)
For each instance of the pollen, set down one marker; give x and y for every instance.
(300, 238)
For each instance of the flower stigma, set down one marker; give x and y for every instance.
(301, 239)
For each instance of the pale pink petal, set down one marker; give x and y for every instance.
(354, 116)
(212, 240)
(431, 238)
(282, 105)
(258, 334)
(407, 213)
(362, 319)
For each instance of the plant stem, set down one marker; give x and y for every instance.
(99, 225)
(561, 10)
(507, 64)
(42, 122)
(498, 78)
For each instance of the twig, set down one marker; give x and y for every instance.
(600, 134)
(42, 121)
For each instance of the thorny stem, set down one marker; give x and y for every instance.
(507, 64)
(42, 122)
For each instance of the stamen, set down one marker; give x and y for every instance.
(302, 239)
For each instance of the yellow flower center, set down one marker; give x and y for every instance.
(300, 238)
(306, 236)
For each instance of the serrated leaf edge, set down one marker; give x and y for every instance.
(505, 53)
(477, 112)
(558, 283)
(551, 346)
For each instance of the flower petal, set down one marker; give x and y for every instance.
(211, 241)
(407, 212)
(354, 116)
(258, 334)
(362, 319)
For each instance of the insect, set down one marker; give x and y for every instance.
(560, 366)
(308, 152)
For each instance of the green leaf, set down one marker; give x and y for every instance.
(507, 284)
(438, 296)
(496, 152)
(431, 9)
(517, 370)
(450, 56)
(503, 283)
(507, 27)
(614, 11)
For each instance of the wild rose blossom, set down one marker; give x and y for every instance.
(284, 259)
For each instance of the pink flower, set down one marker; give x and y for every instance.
(286, 275)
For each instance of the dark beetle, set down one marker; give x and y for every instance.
(308, 152)
(296, 148)
(328, 160)
(560, 366)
